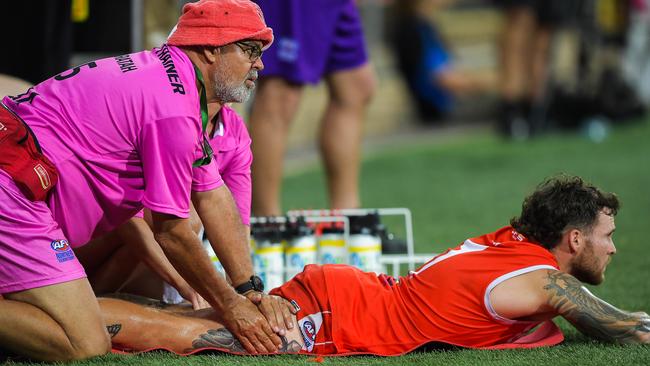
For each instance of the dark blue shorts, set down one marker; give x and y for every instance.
(313, 38)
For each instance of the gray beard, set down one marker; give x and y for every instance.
(232, 93)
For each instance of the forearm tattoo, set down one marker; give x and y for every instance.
(113, 329)
(591, 315)
(223, 339)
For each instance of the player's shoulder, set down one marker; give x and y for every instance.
(524, 296)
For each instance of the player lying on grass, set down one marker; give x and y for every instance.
(491, 290)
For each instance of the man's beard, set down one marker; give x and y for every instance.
(227, 93)
(586, 267)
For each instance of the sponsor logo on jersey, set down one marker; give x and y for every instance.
(62, 250)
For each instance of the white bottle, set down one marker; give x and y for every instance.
(365, 250)
(301, 248)
(331, 247)
(268, 257)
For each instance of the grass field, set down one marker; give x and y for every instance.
(470, 185)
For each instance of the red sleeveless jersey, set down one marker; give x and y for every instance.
(446, 300)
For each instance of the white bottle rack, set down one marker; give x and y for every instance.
(391, 263)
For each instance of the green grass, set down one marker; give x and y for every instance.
(470, 185)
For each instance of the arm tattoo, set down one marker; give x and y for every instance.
(223, 339)
(293, 346)
(218, 338)
(591, 315)
(113, 329)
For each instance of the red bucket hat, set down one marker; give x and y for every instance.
(220, 22)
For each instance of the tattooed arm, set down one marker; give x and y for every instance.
(591, 315)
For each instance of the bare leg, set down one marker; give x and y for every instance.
(145, 325)
(108, 262)
(515, 53)
(341, 133)
(276, 102)
(60, 322)
(540, 64)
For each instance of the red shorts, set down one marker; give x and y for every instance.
(307, 291)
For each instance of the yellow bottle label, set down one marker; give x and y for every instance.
(269, 250)
(373, 248)
(332, 243)
(294, 250)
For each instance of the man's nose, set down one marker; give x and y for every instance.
(612, 248)
(258, 64)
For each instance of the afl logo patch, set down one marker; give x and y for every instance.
(309, 327)
(62, 250)
(60, 245)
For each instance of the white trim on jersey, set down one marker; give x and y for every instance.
(467, 247)
(501, 279)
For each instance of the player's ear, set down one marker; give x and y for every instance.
(575, 239)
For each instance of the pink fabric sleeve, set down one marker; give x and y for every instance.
(207, 177)
(168, 147)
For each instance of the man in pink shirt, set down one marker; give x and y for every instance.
(111, 261)
(123, 133)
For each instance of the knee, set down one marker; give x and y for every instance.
(89, 347)
(276, 102)
(367, 88)
(356, 92)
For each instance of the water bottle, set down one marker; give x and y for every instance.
(301, 248)
(331, 246)
(268, 255)
(364, 243)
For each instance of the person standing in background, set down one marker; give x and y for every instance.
(524, 57)
(427, 63)
(316, 39)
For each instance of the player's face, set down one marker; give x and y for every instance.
(235, 75)
(598, 249)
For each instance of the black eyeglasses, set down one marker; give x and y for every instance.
(253, 51)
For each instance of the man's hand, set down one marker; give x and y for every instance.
(197, 301)
(278, 311)
(246, 322)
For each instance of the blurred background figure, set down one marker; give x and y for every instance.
(314, 39)
(426, 62)
(524, 58)
(636, 63)
(600, 88)
(591, 63)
